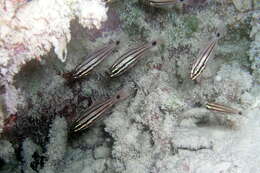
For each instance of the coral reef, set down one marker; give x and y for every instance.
(29, 151)
(163, 127)
(56, 148)
(254, 53)
(29, 31)
(8, 153)
(243, 5)
(1, 115)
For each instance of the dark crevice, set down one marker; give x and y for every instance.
(38, 162)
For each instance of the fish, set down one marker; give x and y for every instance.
(222, 108)
(129, 59)
(165, 3)
(202, 59)
(96, 112)
(93, 60)
(199, 66)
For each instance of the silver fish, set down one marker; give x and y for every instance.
(129, 59)
(93, 60)
(203, 57)
(222, 108)
(96, 112)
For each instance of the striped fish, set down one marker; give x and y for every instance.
(203, 57)
(93, 60)
(222, 108)
(165, 3)
(96, 112)
(129, 59)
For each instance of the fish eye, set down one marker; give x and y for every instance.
(218, 34)
(154, 43)
(117, 42)
(118, 97)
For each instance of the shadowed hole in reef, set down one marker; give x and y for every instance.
(38, 162)
(35, 74)
(42, 102)
(216, 122)
(29, 76)
(2, 163)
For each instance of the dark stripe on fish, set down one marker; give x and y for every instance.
(96, 112)
(92, 116)
(93, 60)
(129, 59)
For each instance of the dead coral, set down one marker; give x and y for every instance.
(32, 29)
